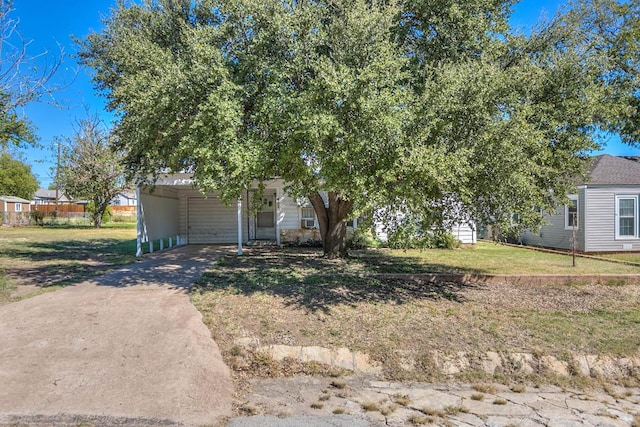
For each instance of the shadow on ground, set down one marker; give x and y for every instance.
(305, 279)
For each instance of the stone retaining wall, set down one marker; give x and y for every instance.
(490, 362)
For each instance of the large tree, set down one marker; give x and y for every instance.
(16, 178)
(21, 79)
(409, 106)
(90, 167)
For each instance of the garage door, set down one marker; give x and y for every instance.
(209, 221)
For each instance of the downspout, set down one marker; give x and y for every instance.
(277, 207)
(240, 224)
(139, 219)
(584, 221)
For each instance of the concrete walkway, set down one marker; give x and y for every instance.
(312, 401)
(125, 348)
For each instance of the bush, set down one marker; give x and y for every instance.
(106, 216)
(362, 239)
(37, 217)
(411, 234)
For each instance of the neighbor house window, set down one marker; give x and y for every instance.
(571, 213)
(308, 216)
(18, 207)
(626, 217)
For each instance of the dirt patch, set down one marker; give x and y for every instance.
(297, 299)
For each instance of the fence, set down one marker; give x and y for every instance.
(14, 218)
(64, 210)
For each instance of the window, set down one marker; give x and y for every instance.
(18, 207)
(626, 217)
(308, 216)
(571, 219)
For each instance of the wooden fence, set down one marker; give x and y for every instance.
(69, 210)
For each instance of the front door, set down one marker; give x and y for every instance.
(266, 219)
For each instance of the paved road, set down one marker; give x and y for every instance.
(125, 348)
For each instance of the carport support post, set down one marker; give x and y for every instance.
(240, 225)
(139, 224)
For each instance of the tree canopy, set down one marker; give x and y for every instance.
(16, 178)
(434, 108)
(90, 168)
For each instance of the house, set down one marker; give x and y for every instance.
(602, 213)
(125, 198)
(46, 197)
(15, 211)
(173, 211)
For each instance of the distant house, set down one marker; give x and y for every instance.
(125, 198)
(47, 197)
(15, 211)
(602, 213)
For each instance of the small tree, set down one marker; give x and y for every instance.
(16, 178)
(91, 168)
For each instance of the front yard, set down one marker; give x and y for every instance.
(294, 297)
(41, 258)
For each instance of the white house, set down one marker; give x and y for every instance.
(174, 212)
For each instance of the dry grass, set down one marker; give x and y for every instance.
(370, 406)
(46, 257)
(402, 399)
(477, 396)
(500, 401)
(485, 388)
(518, 388)
(295, 297)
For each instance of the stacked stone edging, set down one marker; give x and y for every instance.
(490, 362)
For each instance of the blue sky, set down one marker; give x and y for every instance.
(49, 24)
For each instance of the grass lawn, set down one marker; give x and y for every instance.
(488, 258)
(58, 255)
(294, 297)
(630, 257)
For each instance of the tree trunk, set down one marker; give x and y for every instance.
(331, 219)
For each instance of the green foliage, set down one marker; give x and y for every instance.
(16, 178)
(21, 81)
(410, 232)
(105, 215)
(91, 168)
(37, 217)
(435, 108)
(361, 238)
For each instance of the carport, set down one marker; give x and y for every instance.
(174, 212)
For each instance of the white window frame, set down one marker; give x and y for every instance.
(304, 219)
(635, 216)
(17, 207)
(567, 226)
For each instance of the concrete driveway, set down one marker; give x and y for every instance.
(125, 348)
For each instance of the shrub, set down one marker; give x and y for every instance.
(362, 239)
(106, 216)
(37, 217)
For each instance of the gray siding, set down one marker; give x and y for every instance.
(553, 233)
(600, 225)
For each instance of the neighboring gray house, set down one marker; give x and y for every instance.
(47, 197)
(603, 211)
